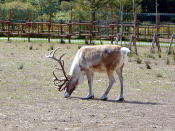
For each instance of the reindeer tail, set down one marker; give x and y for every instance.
(124, 52)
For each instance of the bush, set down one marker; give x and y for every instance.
(30, 47)
(159, 75)
(160, 55)
(168, 61)
(20, 66)
(148, 64)
(131, 54)
(51, 48)
(151, 56)
(139, 60)
(79, 46)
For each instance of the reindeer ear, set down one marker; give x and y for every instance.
(109, 51)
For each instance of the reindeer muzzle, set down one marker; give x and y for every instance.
(66, 94)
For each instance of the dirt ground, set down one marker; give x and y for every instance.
(29, 101)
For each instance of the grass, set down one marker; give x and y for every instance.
(56, 41)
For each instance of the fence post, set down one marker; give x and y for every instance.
(136, 32)
(157, 28)
(9, 23)
(91, 29)
(49, 27)
(90, 35)
(61, 33)
(112, 33)
(70, 31)
(168, 32)
(152, 50)
(99, 35)
(170, 49)
(29, 26)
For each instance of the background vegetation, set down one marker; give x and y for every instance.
(78, 9)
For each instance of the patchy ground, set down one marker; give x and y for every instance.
(29, 101)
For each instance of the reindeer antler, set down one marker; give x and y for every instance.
(61, 83)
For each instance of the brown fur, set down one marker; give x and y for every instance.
(109, 57)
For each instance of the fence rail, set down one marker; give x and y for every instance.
(85, 30)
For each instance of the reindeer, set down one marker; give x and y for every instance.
(90, 59)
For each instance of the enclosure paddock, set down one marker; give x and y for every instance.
(29, 100)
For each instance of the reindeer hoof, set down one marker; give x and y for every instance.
(104, 98)
(121, 100)
(88, 97)
(66, 95)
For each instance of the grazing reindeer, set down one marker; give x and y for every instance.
(89, 59)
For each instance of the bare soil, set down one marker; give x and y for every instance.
(29, 101)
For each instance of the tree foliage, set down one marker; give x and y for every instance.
(17, 10)
(81, 9)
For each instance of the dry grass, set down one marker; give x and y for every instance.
(28, 99)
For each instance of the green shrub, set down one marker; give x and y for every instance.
(20, 66)
(79, 46)
(151, 56)
(148, 64)
(159, 75)
(168, 61)
(139, 60)
(30, 47)
(160, 55)
(51, 47)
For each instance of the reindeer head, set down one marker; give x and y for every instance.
(63, 83)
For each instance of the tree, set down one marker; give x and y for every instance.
(66, 6)
(48, 7)
(17, 10)
(90, 6)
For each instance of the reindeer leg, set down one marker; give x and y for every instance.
(111, 82)
(120, 76)
(89, 75)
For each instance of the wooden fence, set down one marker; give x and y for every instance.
(86, 30)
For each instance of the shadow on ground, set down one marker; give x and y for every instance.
(117, 101)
